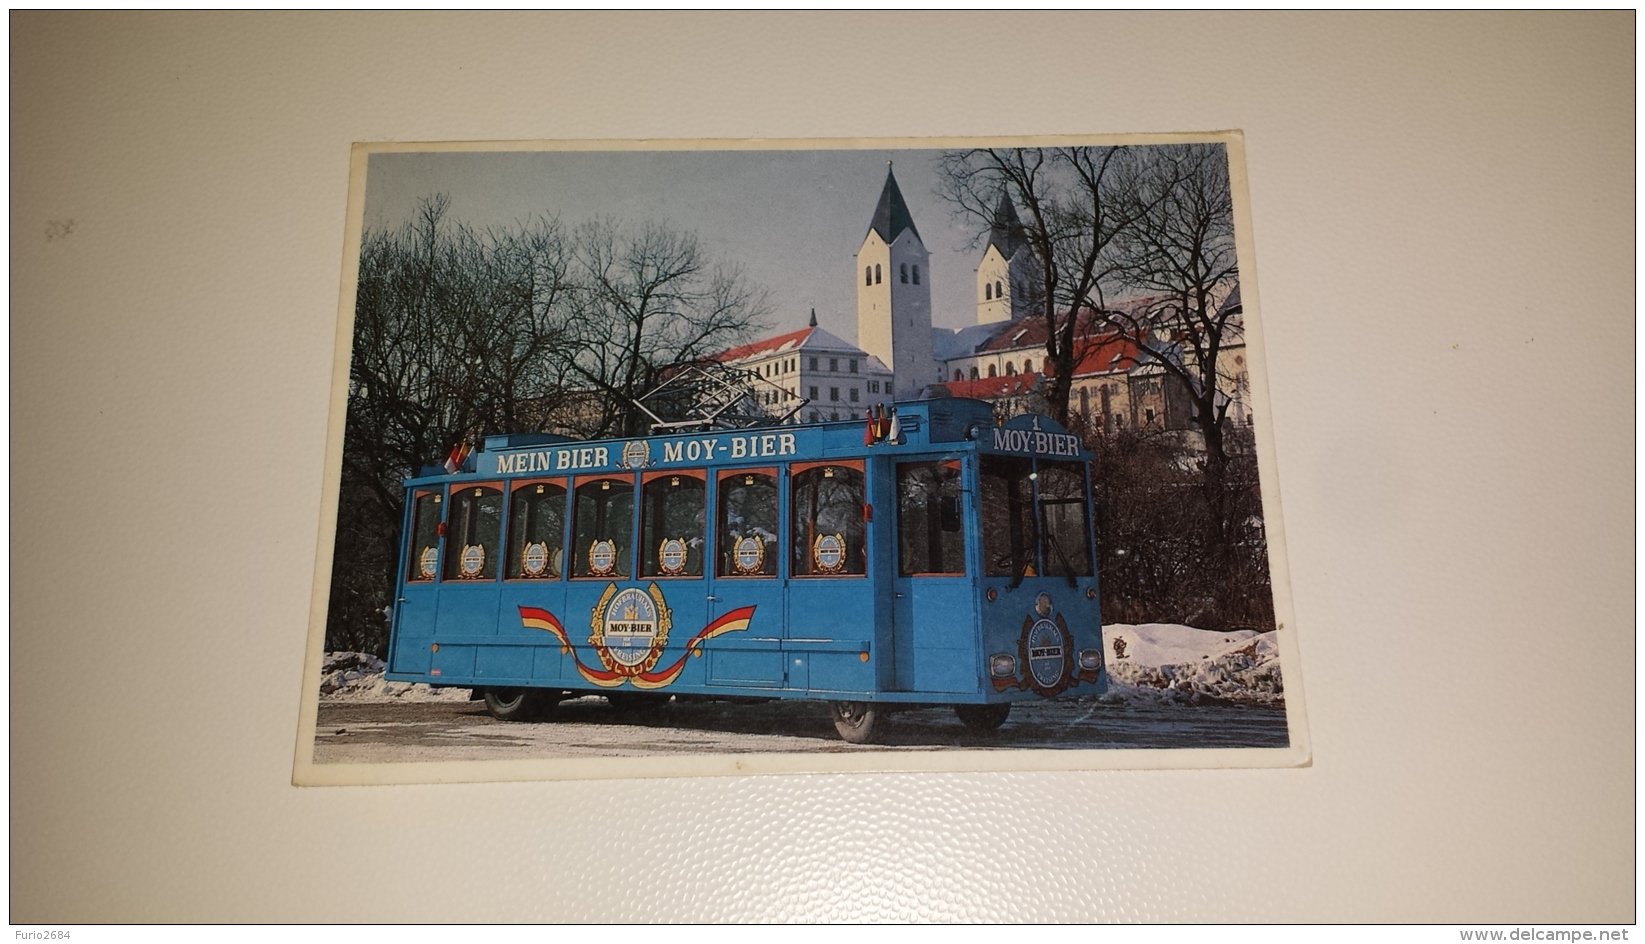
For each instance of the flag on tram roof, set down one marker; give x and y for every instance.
(459, 453)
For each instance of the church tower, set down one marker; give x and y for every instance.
(894, 294)
(1006, 277)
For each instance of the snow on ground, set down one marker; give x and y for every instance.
(358, 676)
(1168, 662)
(1147, 664)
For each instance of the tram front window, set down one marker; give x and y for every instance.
(474, 532)
(1063, 523)
(673, 517)
(425, 537)
(930, 538)
(604, 528)
(536, 531)
(828, 532)
(748, 525)
(1007, 507)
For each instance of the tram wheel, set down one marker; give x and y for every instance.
(630, 703)
(855, 720)
(983, 717)
(521, 704)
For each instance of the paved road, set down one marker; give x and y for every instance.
(587, 727)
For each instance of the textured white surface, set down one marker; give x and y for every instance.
(1444, 230)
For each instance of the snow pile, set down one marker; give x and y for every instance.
(358, 676)
(1168, 662)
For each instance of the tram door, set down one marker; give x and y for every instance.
(673, 532)
(469, 591)
(934, 623)
(419, 590)
(743, 574)
(831, 606)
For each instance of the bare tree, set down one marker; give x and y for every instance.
(1138, 242)
(1075, 202)
(1179, 254)
(648, 301)
(460, 332)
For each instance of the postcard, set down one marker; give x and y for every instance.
(691, 458)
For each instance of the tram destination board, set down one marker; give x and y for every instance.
(622, 486)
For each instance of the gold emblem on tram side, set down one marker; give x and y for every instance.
(428, 562)
(535, 561)
(828, 553)
(471, 562)
(636, 454)
(748, 557)
(602, 558)
(672, 556)
(630, 629)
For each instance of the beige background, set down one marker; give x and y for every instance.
(1444, 236)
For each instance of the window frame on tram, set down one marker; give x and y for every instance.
(803, 556)
(436, 531)
(624, 558)
(1079, 478)
(457, 533)
(514, 562)
(1028, 519)
(934, 526)
(771, 557)
(652, 547)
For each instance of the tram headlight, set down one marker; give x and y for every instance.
(1002, 665)
(1090, 658)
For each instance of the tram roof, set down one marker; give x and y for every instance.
(954, 422)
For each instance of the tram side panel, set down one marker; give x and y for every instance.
(838, 615)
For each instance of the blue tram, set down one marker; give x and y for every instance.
(945, 561)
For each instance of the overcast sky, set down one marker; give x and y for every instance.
(793, 219)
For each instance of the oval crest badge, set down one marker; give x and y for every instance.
(828, 553)
(749, 555)
(428, 562)
(473, 560)
(1046, 648)
(630, 629)
(671, 557)
(602, 558)
(637, 454)
(535, 559)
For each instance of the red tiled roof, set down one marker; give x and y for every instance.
(1108, 353)
(1029, 331)
(792, 338)
(993, 388)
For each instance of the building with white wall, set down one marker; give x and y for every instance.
(826, 377)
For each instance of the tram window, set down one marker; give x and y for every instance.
(1007, 506)
(828, 533)
(930, 538)
(536, 531)
(1063, 519)
(474, 532)
(672, 520)
(748, 525)
(604, 528)
(425, 536)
